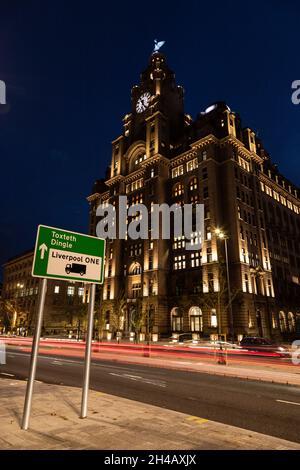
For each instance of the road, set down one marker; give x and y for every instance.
(258, 406)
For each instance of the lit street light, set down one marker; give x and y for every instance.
(221, 235)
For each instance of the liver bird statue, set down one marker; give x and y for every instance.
(158, 45)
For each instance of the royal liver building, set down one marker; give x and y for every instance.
(252, 224)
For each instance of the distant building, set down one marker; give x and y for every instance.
(163, 155)
(65, 304)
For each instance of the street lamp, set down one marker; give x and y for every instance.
(222, 236)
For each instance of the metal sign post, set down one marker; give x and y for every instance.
(88, 353)
(34, 355)
(61, 254)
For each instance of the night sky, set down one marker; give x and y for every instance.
(69, 67)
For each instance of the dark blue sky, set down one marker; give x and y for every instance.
(69, 68)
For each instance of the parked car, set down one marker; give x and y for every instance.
(255, 343)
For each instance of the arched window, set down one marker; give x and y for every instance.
(140, 158)
(178, 190)
(291, 322)
(176, 320)
(196, 319)
(274, 321)
(135, 269)
(282, 321)
(193, 184)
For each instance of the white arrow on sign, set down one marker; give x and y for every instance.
(43, 248)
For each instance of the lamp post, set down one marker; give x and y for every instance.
(19, 286)
(221, 235)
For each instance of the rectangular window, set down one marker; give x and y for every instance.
(81, 291)
(210, 282)
(70, 290)
(150, 262)
(195, 260)
(178, 171)
(136, 290)
(56, 290)
(179, 262)
(192, 164)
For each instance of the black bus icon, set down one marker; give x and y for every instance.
(76, 268)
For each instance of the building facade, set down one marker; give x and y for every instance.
(164, 156)
(65, 304)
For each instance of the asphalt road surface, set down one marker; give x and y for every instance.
(258, 406)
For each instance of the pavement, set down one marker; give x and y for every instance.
(114, 423)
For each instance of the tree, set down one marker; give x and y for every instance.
(9, 311)
(220, 300)
(137, 318)
(120, 310)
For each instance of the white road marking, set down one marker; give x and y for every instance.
(289, 402)
(8, 375)
(136, 378)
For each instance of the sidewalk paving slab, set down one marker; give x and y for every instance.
(113, 423)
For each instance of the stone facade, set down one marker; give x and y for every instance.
(65, 304)
(164, 156)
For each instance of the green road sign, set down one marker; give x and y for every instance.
(60, 254)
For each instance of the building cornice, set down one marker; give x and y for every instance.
(114, 180)
(237, 144)
(93, 197)
(140, 173)
(157, 158)
(277, 187)
(209, 139)
(194, 151)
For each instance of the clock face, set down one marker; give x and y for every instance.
(143, 102)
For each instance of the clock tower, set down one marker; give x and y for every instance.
(157, 114)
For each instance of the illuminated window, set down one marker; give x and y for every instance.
(193, 184)
(179, 262)
(56, 290)
(179, 242)
(178, 171)
(178, 190)
(195, 259)
(136, 290)
(176, 320)
(210, 282)
(213, 318)
(208, 233)
(282, 321)
(81, 291)
(291, 322)
(196, 319)
(70, 290)
(135, 269)
(191, 165)
(140, 159)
